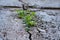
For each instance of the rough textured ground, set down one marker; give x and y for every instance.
(11, 27)
(10, 3)
(44, 3)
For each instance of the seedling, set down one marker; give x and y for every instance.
(28, 18)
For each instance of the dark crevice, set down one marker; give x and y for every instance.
(29, 35)
(10, 7)
(24, 7)
(50, 8)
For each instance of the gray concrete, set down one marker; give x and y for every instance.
(11, 26)
(44, 3)
(10, 3)
(13, 29)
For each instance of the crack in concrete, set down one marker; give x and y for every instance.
(29, 35)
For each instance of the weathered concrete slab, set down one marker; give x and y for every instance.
(49, 23)
(44, 3)
(41, 3)
(11, 26)
(10, 3)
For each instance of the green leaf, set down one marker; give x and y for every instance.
(28, 18)
(31, 23)
(21, 14)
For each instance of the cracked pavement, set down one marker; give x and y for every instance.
(11, 27)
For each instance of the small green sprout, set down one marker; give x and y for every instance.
(28, 18)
